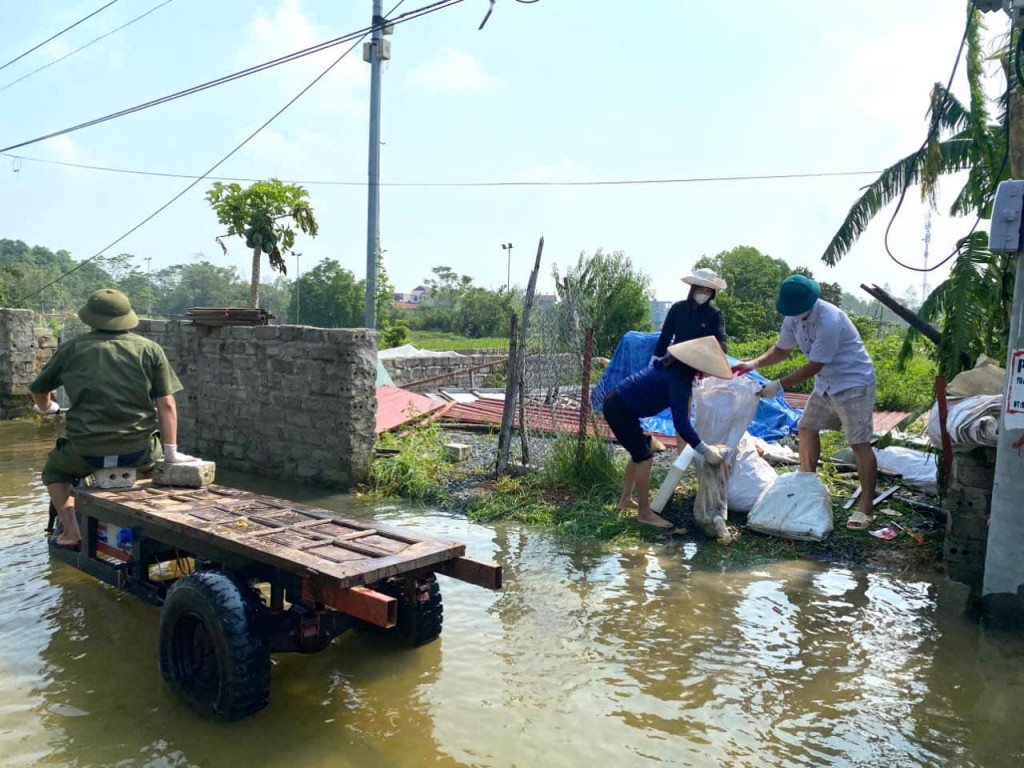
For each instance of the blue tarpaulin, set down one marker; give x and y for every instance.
(774, 420)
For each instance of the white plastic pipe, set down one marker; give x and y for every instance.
(675, 472)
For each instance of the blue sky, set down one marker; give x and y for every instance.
(559, 90)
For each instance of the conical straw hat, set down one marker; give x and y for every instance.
(704, 354)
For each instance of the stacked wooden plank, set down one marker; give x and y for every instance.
(221, 316)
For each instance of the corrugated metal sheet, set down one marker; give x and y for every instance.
(396, 406)
(566, 420)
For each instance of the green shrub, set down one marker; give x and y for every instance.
(598, 476)
(411, 465)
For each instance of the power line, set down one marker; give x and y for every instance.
(420, 12)
(83, 47)
(54, 37)
(339, 183)
(408, 16)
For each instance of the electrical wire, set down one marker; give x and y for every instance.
(225, 158)
(1011, 51)
(54, 37)
(83, 47)
(407, 16)
(338, 183)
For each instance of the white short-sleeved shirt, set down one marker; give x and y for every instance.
(828, 337)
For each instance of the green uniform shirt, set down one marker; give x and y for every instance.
(111, 380)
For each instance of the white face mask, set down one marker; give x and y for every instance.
(701, 298)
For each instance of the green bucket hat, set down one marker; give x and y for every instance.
(108, 310)
(797, 295)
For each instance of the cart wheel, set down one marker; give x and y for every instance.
(420, 612)
(212, 652)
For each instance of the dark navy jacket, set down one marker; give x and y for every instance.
(666, 384)
(688, 320)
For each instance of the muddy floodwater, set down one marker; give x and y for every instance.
(586, 658)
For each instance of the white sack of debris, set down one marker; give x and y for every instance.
(797, 506)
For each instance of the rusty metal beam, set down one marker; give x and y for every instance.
(361, 602)
(467, 569)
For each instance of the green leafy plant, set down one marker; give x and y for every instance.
(412, 465)
(263, 213)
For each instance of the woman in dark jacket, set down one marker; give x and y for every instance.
(695, 316)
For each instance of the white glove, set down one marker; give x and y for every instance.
(171, 455)
(51, 410)
(771, 389)
(714, 455)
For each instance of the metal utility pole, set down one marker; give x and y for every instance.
(507, 247)
(375, 51)
(298, 295)
(1003, 589)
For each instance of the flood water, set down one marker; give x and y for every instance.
(586, 658)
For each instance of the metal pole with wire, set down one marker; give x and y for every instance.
(507, 247)
(372, 52)
(298, 295)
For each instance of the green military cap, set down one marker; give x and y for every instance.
(109, 310)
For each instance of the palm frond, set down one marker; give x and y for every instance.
(893, 181)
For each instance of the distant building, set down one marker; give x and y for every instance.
(659, 311)
(411, 300)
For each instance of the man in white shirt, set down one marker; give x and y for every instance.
(844, 381)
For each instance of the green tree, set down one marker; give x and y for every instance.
(263, 214)
(31, 273)
(753, 279)
(606, 292)
(968, 306)
(330, 296)
(201, 284)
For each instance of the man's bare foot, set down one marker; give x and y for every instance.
(631, 504)
(652, 518)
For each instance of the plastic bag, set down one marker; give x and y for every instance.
(917, 468)
(797, 506)
(710, 508)
(751, 476)
(724, 409)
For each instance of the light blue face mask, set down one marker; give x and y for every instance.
(700, 297)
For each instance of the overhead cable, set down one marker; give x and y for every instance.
(422, 12)
(527, 183)
(54, 37)
(83, 47)
(359, 34)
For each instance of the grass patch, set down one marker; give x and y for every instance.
(565, 498)
(578, 502)
(443, 342)
(411, 465)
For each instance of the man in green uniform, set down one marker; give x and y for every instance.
(121, 389)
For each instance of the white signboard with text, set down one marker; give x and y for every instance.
(1013, 408)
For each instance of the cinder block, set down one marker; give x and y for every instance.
(114, 477)
(194, 474)
(457, 451)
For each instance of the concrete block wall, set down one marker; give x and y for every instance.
(285, 401)
(969, 501)
(542, 371)
(24, 350)
(406, 371)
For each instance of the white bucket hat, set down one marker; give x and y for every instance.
(704, 354)
(706, 278)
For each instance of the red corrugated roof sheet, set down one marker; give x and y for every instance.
(396, 406)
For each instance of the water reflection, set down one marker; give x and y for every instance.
(634, 657)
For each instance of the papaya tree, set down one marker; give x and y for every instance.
(266, 214)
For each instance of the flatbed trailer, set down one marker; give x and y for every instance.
(240, 575)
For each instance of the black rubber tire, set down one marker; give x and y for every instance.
(420, 610)
(212, 651)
